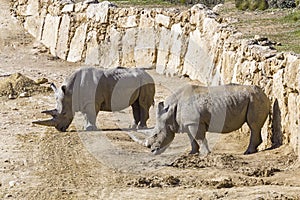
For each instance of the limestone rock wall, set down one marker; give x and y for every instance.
(193, 42)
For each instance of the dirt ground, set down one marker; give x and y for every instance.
(41, 163)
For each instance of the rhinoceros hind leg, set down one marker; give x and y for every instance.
(136, 114)
(140, 126)
(133, 126)
(144, 117)
(90, 128)
(255, 141)
(137, 126)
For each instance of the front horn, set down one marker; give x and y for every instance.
(147, 132)
(143, 142)
(48, 122)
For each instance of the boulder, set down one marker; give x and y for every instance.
(77, 44)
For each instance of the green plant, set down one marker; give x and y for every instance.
(143, 2)
(292, 17)
(241, 4)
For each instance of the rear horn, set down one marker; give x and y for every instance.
(142, 142)
(52, 112)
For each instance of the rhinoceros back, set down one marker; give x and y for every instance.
(221, 108)
(109, 90)
(120, 87)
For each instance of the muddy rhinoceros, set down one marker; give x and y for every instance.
(90, 90)
(196, 110)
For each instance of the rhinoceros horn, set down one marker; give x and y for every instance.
(47, 122)
(143, 142)
(146, 132)
(52, 112)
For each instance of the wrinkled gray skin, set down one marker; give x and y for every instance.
(196, 110)
(90, 90)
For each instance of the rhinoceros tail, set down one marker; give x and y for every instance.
(147, 91)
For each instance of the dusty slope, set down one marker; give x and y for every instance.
(41, 163)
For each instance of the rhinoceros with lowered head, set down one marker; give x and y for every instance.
(90, 90)
(197, 110)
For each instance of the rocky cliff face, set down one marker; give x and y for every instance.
(193, 42)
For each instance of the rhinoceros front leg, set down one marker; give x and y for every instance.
(90, 116)
(197, 137)
(195, 146)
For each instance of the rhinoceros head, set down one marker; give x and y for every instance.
(63, 114)
(165, 128)
(164, 132)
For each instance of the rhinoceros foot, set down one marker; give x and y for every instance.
(250, 151)
(133, 126)
(91, 128)
(140, 127)
(193, 152)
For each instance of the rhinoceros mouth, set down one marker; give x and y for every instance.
(159, 150)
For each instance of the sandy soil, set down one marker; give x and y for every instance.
(41, 163)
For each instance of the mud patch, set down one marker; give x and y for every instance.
(164, 181)
(155, 181)
(17, 83)
(225, 161)
(220, 161)
(119, 137)
(220, 183)
(259, 172)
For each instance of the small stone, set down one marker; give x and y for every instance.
(41, 80)
(11, 96)
(24, 94)
(12, 183)
(90, 1)
(8, 196)
(69, 7)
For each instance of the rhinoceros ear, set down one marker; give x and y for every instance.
(160, 106)
(161, 109)
(54, 88)
(64, 89)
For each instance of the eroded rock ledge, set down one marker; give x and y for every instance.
(195, 42)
